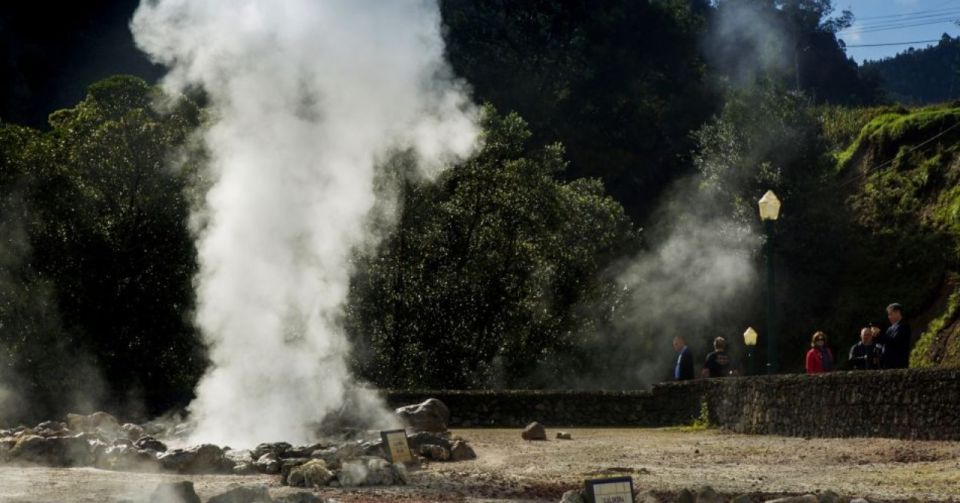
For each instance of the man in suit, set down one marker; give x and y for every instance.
(896, 340)
(683, 366)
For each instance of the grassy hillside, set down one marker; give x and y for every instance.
(902, 167)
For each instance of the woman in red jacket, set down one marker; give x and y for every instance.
(819, 358)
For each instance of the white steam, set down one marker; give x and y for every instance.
(308, 99)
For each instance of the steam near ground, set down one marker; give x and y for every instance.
(308, 99)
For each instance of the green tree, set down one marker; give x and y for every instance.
(484, 279)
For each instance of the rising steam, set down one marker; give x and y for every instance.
(307, 99)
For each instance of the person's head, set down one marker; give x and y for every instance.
(894, 312)
(819, 339)
(874, 330)
(720, 344)
(866, 335)
(679, 343)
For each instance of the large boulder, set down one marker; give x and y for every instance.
(244, 494)
(175, 492)
(313, 473)
(431, 415)
(205, 458)
(534, 431)
(52, 451)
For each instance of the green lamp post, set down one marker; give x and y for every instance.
(769, 212)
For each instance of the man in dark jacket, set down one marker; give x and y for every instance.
(896, 340)
(683, 366)
(866, 354)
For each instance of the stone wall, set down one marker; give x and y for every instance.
(923, 404)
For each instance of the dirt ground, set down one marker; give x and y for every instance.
(661, 460)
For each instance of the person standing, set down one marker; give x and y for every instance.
(819, 358)
(866, 354)
(896, 340)
(717, 363)
(683, 367)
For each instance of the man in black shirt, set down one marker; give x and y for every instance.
(896, 340)
(718, 362)
(866, 354)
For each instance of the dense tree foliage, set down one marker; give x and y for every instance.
(918, 76)
(104, 218)
(493, 271)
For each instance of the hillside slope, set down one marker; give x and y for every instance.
(903, 169)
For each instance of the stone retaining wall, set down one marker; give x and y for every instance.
(922, 404)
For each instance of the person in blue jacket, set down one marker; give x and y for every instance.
(896, 340)
(683, 365)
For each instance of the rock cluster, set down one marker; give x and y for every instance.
(100, 441)
(707, 494)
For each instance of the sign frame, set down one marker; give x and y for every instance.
(406, 454)
(591, 486)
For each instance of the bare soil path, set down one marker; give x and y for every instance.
(510, 469)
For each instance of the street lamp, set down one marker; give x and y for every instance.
(750, 340)
(769, 212)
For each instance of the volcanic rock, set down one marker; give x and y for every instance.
(276, 448)
(52, 451)
(431, 415)
(370, 471)
(534, 431)
(300, 497)
(461, 451)
(205, 458)
(829, 496)
(244, 468)
(424, 438)
(574, 496)
(707, 494)
(268, 463)
(133, 431)
(434, 452)
(175, 492)
(244, 494)
(563, 435)
(302, 451)
(150, 443)
(313, 473)
(126, 458)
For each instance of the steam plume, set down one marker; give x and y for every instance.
(308, 98)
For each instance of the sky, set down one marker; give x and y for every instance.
(896, 21)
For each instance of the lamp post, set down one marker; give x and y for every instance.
(769, 212)
(750, 341)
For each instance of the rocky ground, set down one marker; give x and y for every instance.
(507, 468)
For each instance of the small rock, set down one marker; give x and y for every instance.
(686, 496)
(369, 471)
(707, 494)
(175, 492)
(434, 452)
(534, 431)
(146, 442)
(806, 498)
(277, 448)
(829, 497)
(431, 415)
(244, 494)
(461, 451)
(313, 473)
(268, 463)
(563, 435)
(244, 468)
(574, 496)
(646, 497)
(299, 497)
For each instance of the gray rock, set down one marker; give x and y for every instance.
(204, 458)
(646, 497)
(707, 494)
(431, 415)
(743, 498)
(425, 438)
(244, 494)
(277, 448)
(563, 435)
(313, 473)
(175, 492)
(302, 451)
(244, 468)
(370, 471)
(859, 500)
(686, 496)
(52, 451)
(150, 443)
(461, 451)
(434, 452)
(126, 458)
(534, 431)
(806, 498)
(268, 463)
(830, 497)
(133, 431)
(239, 456)
(574, 496)
(300, 497)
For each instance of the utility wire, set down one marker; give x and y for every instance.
(894, 43)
